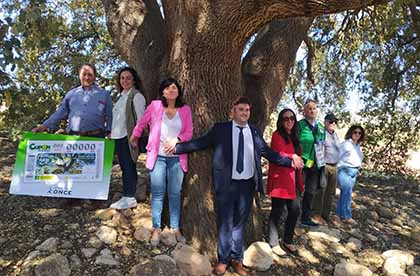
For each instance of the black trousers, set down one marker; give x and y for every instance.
(128, 167)
(277, 207)
(311, 180)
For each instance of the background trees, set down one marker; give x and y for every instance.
(44, 44)
(372, 55)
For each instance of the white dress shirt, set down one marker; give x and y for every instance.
(249, 161)
(332, 145)
(350, 154)
(119, 126)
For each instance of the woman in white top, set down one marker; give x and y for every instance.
(127, 110)
(349, 161)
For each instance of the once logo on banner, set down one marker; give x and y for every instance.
(59, 191)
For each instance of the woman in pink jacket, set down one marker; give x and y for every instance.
(169, 121)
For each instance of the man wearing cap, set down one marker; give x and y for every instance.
(323, 199)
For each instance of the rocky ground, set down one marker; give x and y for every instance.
(49, 236)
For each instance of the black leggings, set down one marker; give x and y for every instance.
(293, 211)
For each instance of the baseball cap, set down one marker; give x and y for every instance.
(330, 117)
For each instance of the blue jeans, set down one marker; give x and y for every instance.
(166, 172)
(346, 178)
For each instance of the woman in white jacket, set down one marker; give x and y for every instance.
(350, 160)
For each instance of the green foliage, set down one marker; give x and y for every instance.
(373, 53)
(8, 43)
(48, 41)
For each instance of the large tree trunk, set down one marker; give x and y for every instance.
(201, 43)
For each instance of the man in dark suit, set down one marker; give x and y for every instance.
(238, 147)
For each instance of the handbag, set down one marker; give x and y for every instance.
(143, 140)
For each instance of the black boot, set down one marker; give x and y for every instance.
(273, 236)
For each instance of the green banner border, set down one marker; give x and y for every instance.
(21, 152)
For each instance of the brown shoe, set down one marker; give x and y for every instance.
(155, 239)
(178, 235)
(238, 267)
(318, 219)
(220, 269)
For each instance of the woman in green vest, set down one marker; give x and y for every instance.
(127, 110)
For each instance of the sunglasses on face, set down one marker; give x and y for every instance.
(332, 122)
(287, 119)
(357, 132)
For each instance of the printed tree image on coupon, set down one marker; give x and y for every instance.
(68, 160)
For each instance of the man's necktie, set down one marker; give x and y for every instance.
(240, 161)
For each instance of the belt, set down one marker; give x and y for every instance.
(86, 133)
(332, 164)
(251, 178)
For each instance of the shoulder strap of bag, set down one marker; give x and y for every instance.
(133, 110)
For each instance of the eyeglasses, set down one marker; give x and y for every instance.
(287, 119)
(357, 132)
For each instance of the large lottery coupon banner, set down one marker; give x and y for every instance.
(63, 166)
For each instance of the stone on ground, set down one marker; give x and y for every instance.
(349, 269)
(56, 265)
(258, 256)
(190, 261)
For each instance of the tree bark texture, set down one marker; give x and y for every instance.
(201, 43)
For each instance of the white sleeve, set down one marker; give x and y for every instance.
(139, 105)
(344, 151)
(337, 141)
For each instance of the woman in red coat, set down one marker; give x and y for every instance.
(283, 182)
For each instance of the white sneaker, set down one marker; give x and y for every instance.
(124, 203)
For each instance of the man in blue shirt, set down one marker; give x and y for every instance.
(88, 108)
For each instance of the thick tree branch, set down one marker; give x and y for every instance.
(124, 19)
(310, 8)
(257, 13)
(139, 34)
(266, 67)
(311, 54)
